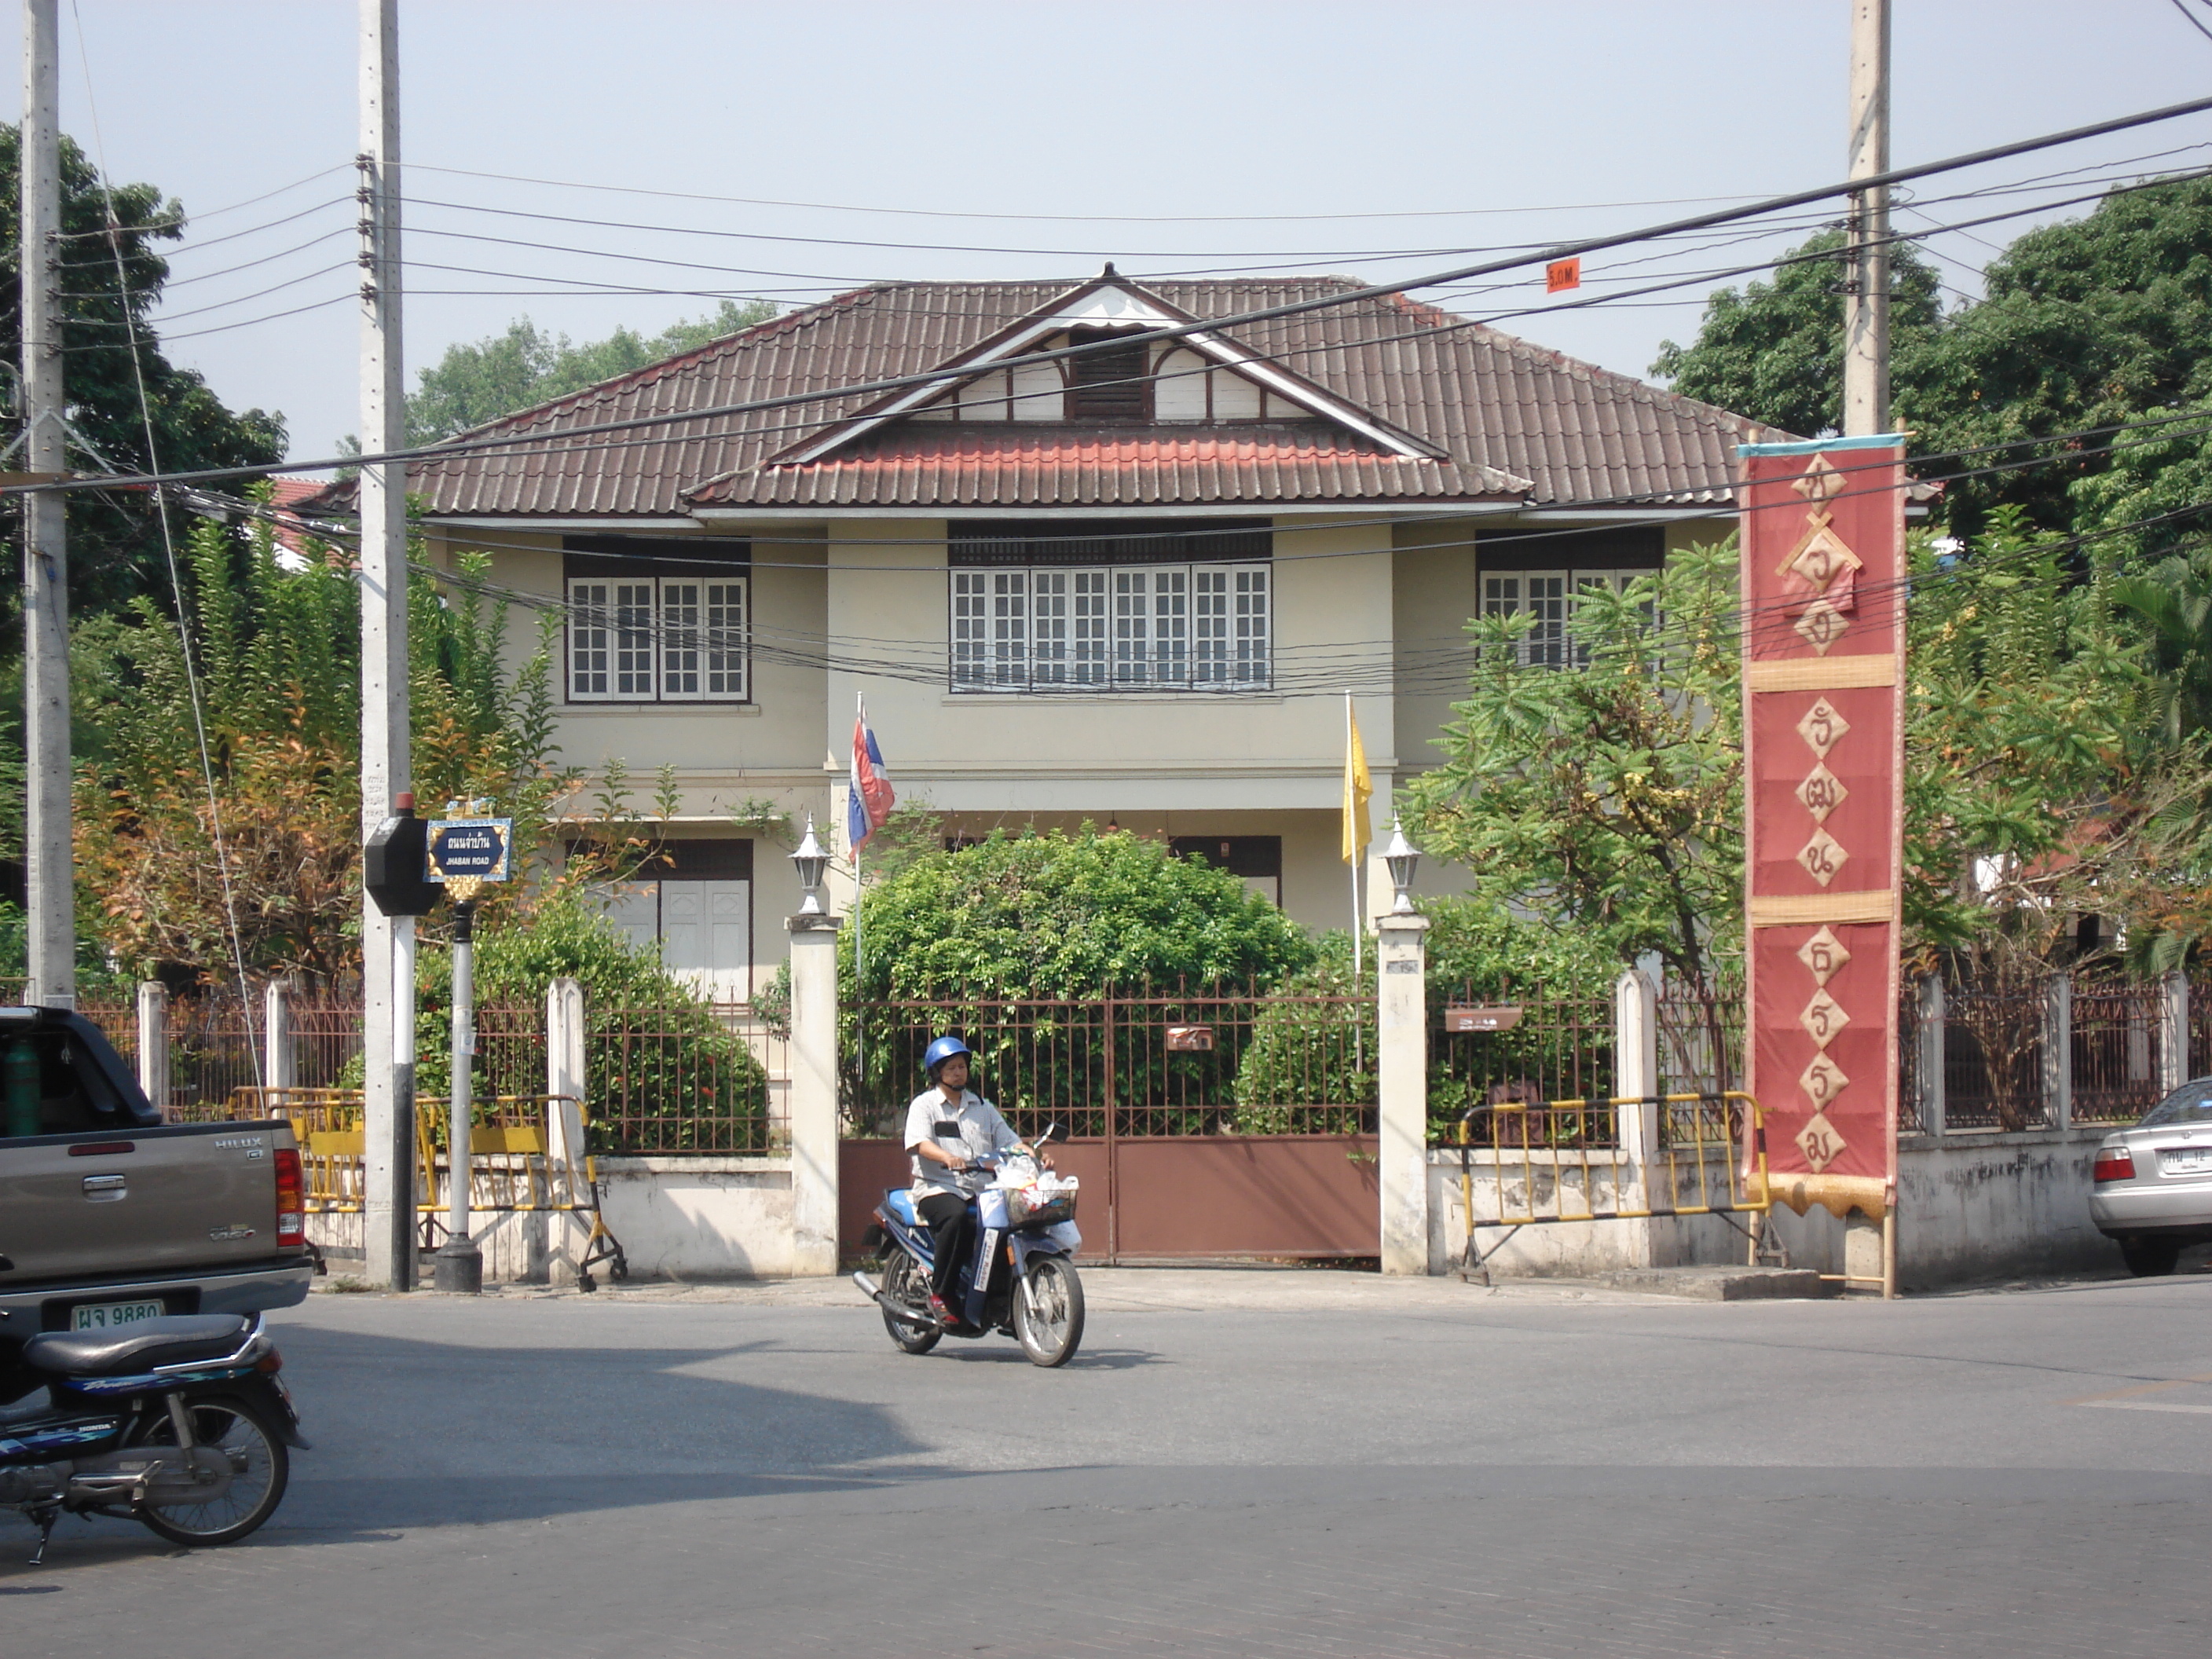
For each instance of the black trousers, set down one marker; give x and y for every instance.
(952, 1224)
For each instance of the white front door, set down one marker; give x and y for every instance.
(706, 935)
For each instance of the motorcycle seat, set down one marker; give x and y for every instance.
(900, 1202)
(139, 1347)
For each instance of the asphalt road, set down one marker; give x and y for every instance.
(1237, 1463)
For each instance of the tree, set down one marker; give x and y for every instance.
(1775, 352)
(2094, 322)
(115, 540)
(473, 384)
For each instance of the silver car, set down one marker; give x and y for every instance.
(2153, 1191)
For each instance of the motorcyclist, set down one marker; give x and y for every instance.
(956, 1137)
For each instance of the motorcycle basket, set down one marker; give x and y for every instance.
(1041, 1207)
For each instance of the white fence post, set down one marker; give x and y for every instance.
(2173, 1032)
(2058, 1050)
(813, 1094)
(1402, 1084)
(564, 1119)
(280, 1068)
(1934, 1012)
(1635, 1072)
(154, 1043)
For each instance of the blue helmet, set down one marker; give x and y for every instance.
(940, 1051)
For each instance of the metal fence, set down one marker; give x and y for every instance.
(2119, 1031)
(1561, 1049)
(118, 1020)
(325, 1037)
(1161, 1064)
(683, 1078)
(1993, 1058)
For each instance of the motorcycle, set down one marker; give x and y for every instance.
(180, 1422)
(1021, 1281)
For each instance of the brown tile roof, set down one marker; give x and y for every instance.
(1506, 420)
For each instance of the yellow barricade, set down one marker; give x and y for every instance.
(1562, 1160)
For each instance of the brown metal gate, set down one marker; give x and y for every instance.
(1208, 1125)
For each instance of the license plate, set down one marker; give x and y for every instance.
(2188, 1160)
(111, 1315)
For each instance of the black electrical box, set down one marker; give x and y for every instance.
(394, 870)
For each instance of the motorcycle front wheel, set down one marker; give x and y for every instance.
(1048, 1311)
(905, 1283)
(260, 1468)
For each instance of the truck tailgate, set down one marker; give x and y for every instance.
(182, 1195)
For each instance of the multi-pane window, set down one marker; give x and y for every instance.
(1126, 628)
(658, 639)
(1548, 596)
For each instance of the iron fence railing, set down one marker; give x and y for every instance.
(1175, 1063)
(325, 1038)
(679, 1076)
(1561, 1049)
(1993, 1059)
(2118, 1032)
(118, 1020)
(1701, 1036)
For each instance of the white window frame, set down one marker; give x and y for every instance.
(1116, 628)
(659, 639)
(1515, 593)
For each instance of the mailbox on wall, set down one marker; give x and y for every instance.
(1190, 1039)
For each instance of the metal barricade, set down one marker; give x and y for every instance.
(1562, 1160)
(512, 1164)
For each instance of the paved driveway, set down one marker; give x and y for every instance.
(1238, 1464)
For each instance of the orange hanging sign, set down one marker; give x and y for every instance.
(1561, 275)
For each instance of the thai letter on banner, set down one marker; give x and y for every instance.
(1824, 741)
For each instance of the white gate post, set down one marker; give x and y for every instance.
(2058, 1051)
(1635, 1072)
(1403, 1085)
(2173, 1032)
(565, 1144)
(1934, 1016)
(279, 1069)
(154, 1043)
(813, 1094)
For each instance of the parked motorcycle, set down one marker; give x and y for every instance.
(1021, 1281)
(180, 1422)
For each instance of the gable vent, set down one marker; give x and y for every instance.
(1107, 385)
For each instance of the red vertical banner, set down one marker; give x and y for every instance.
(1824, 596)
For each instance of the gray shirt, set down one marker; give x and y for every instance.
(974, 1127)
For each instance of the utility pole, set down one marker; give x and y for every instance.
(1866, 307)
(387, 943)
(52, 867)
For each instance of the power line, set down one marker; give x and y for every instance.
(212, 213)
(1267, 314)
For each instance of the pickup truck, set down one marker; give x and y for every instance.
(109, 1215)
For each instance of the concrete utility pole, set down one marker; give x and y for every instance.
(45, 551)
(387, 943)
(1866, 307)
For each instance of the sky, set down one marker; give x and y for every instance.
(982, 141)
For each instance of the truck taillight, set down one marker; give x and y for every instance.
(2116, 1163)
(291, 1198)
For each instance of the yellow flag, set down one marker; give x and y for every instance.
(1359, 787)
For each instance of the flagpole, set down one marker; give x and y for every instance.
(859, 1022)
(1357, 852)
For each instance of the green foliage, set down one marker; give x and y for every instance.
(663, 1057)
(1606, 800)
(2094, 322)
(1775, 352)
(1059, 916)
(526, 366)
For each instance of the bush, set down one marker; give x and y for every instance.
(1055, 917)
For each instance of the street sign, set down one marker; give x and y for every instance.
(474, 848)
(392, 867)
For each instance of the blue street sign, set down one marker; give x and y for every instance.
(469, 847)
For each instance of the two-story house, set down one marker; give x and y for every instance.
(1130, 585)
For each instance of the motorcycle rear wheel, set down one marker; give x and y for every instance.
(1049, 1311)
(905, 1283)
(234, 1427)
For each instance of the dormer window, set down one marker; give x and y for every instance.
(1108, 384)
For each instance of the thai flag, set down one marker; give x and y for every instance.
(872, 796)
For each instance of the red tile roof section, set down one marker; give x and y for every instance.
(1514, 421)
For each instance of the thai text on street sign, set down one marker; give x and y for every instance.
(469, 848)
(1824, 754)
